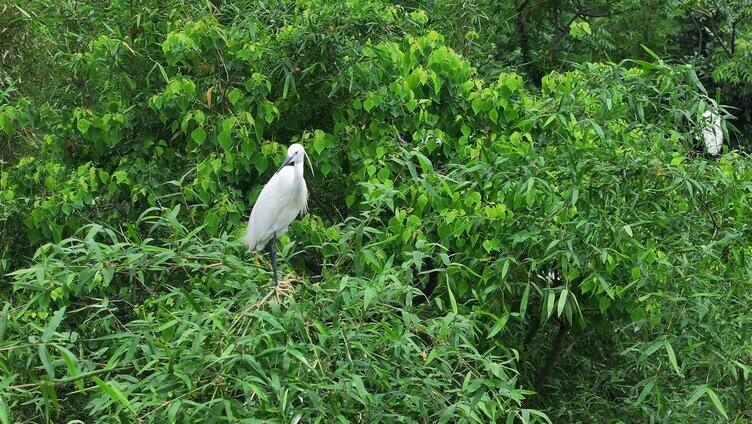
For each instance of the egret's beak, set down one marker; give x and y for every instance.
(285, 163)
(309, 163)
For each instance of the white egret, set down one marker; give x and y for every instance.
(284, 197)
(712, 132)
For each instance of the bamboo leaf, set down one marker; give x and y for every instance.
(562, 302)
(113, 392)
(716, 401)
(4, 412)
(49, 330)
(672, 357)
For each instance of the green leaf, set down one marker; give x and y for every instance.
(650, 52)
(448, 414)
(599, 130)
(628, 230)
(44, 356)
(452, 300)
(49, 395)
(224, 140)
(505, 271)
(199, 117)
(699, 391)
(319, 144)
(358, 384)
(113, 392)
(367, 297)
(562, 302)
(672, 357)
(289, 82)
(490, 245)
(575, 195)
(493, 114)
(716, 401)
(198, 135)
(477, 104)
(523, 302)
(190, 299)
(299, 356)
(551, 298)
(646, 390)
(651, 349)
(234, 95)
(4, 320)
(83, 125)
(500, 324)
(71, 362)
(173, 411)
(4, 412)
(580, 28)
(368, 104)
(425, 163)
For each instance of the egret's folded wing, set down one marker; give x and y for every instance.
(269, 206)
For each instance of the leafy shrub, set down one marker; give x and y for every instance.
(471, 238)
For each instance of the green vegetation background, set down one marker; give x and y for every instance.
(512, 218)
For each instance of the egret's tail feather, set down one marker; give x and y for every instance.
(252, 242)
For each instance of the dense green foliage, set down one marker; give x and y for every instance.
(511, 217)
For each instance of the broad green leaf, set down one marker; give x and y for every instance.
(368, 104)
(225, 140)
(83, 125)
(234, 95)
(198, 135)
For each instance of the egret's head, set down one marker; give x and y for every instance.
(295, 154)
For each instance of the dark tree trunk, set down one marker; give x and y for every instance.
(521, 24)
(532, 331)
(553, 356)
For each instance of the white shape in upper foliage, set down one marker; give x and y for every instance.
(284, 197)
(712, 132)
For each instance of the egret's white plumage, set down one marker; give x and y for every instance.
(712, 132)
(284, 197)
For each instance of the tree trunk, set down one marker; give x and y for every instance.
(553, 356)
(521, 16)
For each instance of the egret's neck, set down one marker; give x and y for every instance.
(298, 170)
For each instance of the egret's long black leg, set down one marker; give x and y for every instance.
(273, 254)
